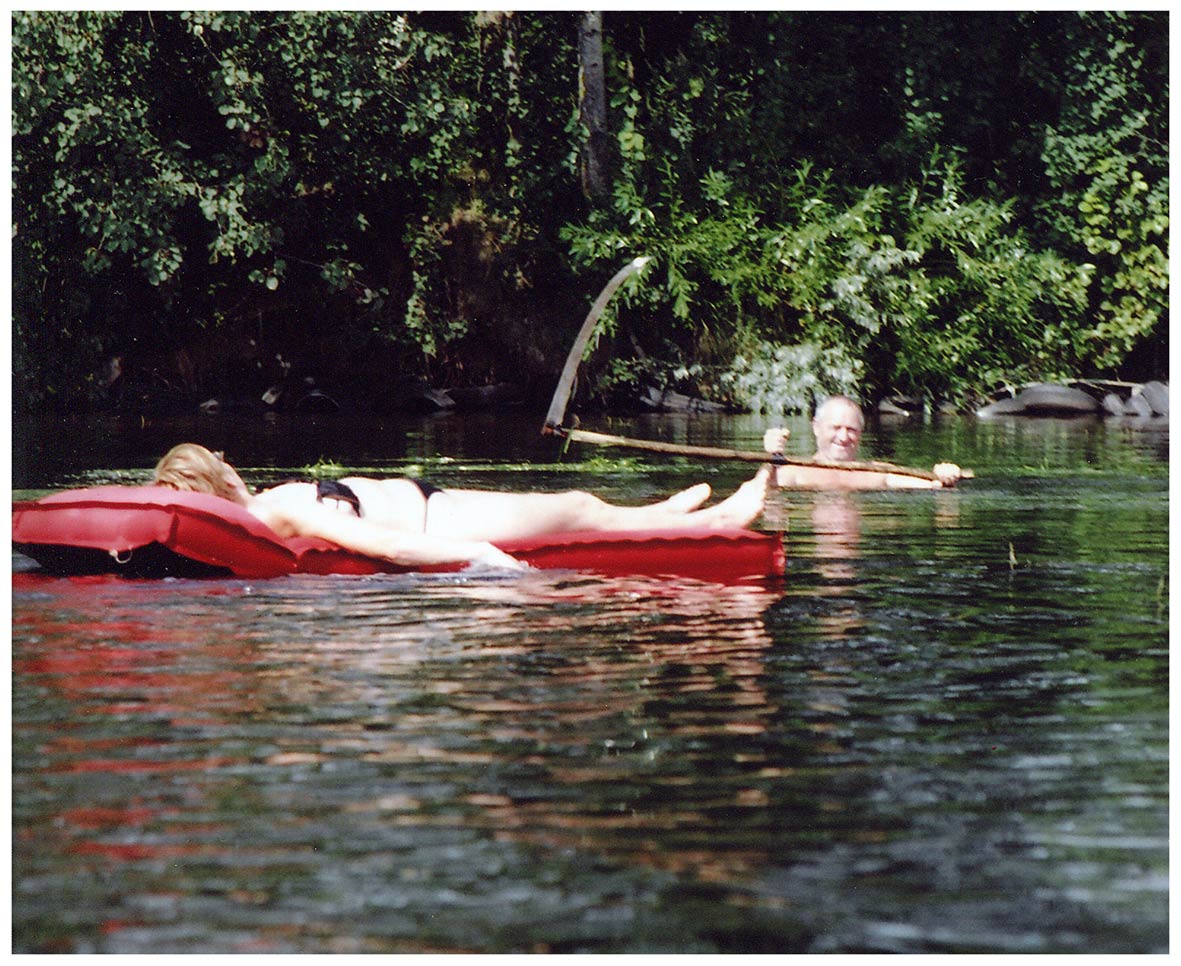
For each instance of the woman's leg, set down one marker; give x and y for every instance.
(484, 515)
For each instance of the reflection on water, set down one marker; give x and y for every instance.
(199, 736)
(946, 732)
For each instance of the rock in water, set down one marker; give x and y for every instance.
(1046, 399)
(1137, 405)
(1157, 396)
(1113, 405)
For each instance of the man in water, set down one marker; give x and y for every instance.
(413, 523)
(837, 426)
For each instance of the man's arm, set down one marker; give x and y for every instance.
(822, 478)
(947, 475)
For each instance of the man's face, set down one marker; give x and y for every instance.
(838, 432)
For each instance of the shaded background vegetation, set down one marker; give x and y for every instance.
(929, 203)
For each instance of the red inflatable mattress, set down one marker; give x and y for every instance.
(151, 531)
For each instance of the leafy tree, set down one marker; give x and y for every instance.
(1108, 158)
(938, 201)
(935, 281)
(235, 172)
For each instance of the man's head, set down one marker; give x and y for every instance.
(837, 427)
(194, 468)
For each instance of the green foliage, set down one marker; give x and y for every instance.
(1109, 157)
(939, 201)
(936, 283)
(779, 379)
(964, 301)
(222, 167)
(987, 307)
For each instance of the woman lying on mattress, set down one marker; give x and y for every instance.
(414, 523)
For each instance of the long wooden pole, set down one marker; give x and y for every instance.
(743, 456)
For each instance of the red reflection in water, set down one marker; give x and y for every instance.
(123, 766)
(686, 658)
(124, 659)
(97, 817)
(141, 851)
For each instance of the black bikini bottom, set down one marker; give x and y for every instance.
(427, 490)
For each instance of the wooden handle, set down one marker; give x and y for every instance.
(745, 456)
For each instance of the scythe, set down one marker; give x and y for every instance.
(557, 409)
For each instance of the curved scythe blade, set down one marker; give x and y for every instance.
(557, 406)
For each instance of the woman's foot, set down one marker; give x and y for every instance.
(687, 500)
(741, 507)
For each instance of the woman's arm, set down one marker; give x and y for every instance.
(291, 519)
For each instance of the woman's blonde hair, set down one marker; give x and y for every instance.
(192, 467)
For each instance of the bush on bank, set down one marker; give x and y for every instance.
(932, 203)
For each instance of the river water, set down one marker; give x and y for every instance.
(946, 731)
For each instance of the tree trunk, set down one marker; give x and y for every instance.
(592, 107)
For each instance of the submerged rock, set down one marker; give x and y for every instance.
(317, 401)
(899, 406)
(1156, 394)
(1113, 405)
(1137, 405)
(1046, 399)
(665, 400)
(475, 398)
(1142, 403)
